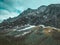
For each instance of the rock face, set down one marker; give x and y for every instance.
(25, 29)
(47, 15)
(53, 12)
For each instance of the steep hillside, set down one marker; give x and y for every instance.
(47, 15)
(32, 35)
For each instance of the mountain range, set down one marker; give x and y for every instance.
(32, 27)
(46, 15)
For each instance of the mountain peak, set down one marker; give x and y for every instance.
(29, 9)
(42, 8)
(54, 5)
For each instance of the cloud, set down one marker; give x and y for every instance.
(24, 4)
(4, 14)
(11, 8)
(7, 7)
(7, 11)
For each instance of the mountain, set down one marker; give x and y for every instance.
(52, 12)
(27, 28)
(47, 15)
(31, 35)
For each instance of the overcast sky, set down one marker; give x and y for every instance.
(12, 8)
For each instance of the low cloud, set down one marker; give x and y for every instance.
(4, 14)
